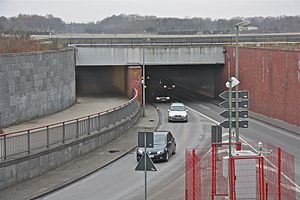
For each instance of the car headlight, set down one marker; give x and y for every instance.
(157, 98)
(173, 86)
(140, 151)
(165, 86)
(160, 152)
(168, 97)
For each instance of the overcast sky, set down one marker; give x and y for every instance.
(94, 10)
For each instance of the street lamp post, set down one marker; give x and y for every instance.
(144, 79)
(237, 26)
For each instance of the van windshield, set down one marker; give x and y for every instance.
(177, 108)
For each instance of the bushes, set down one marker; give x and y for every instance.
(18, 44)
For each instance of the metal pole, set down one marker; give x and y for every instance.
(279, 173)
(228, 67)
(64, 132)
(237, 128)
(47, 131)
(213, 171)
(5, 154)
(194, 172)
(145, 152)
(262, 190)
(144, 80)
(229, 137)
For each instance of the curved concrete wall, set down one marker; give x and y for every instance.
(35, 84)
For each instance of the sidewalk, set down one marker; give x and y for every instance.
(84, 106)
(84, 165)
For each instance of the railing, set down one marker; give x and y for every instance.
(177, 40)
(42, 138)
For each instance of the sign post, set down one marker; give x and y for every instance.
(145, 153)
(230, 103)
(145, 139)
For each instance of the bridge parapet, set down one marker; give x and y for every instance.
(98, 55)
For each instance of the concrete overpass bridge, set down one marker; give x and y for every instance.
(102, 60)
(198, 66)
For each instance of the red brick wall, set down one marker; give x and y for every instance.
(273, 80)
(135, 81)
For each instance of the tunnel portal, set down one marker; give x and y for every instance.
(199, 80)
(184, 81)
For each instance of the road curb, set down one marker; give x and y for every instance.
(80, 177)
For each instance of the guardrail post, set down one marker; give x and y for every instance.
(89, 124)
(99, 124)
(47, 136)
(4, 147)
(114, 116)
(107, 121)
(64, 133)
(28, 141)
(77, 128)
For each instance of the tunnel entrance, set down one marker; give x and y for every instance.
(184, 81)
(201, 81)
(100, 80)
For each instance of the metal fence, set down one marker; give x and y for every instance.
(41, 138)
(269, 175)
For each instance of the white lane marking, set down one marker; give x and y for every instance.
(205, 107)
(203, 115)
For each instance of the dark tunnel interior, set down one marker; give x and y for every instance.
(99, 81)
(183, 81)
(174, 81)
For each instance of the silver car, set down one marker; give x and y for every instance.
(177, 112)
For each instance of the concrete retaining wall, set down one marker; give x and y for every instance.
(272, 77)
(21, 169)
(35, 84)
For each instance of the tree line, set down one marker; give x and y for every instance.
(118, 24)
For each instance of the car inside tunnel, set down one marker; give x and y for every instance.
(171, 82)
(166, 81)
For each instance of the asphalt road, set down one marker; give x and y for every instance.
(120, 181)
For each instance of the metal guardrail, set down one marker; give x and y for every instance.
(44, 137)
(163, 40)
